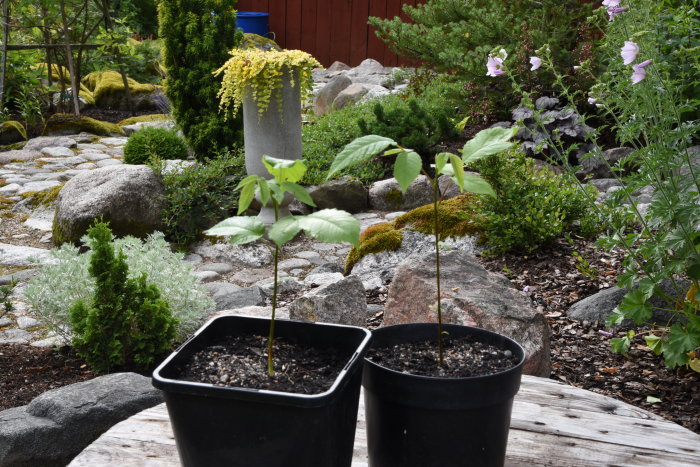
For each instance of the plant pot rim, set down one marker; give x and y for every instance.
(195, 388)
(397, 327)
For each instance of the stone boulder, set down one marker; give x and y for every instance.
(345, 194)
(12, 132)
(230, 296)
(130, 197)
(341, 302)
(69, 124)
(38, 143)
(377, 270)
(471, 296)
(597, 307)
(23, 155)
(327, 94)
(599, 166)
(59, 424)
(14, 255)
(252, 255)
(386, 195)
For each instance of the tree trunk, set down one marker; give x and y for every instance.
(3, 58)
(122, 70)
(69, 59)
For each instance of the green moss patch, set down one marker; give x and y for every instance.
(12, 131)
(144, 118)
(63, 124)
(42, 198)
(457, 217)
(375, 239)
(255, 41)
(106, 83)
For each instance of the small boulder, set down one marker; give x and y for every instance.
(59, 424)
(598, 166)
(12, 132)
(350, 95)
(471, 296)
(68, 124)
(328, 93)
(130, 197)
(345, 194)
(229, 296)
(386, 195)
(38, 143)
(341, 302)
(252, 255)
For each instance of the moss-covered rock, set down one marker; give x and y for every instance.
(457, 218)
(42, 198)
(11, 132)
(68, 124)
(144, 118)
(107, 87)
(374, 239)
(255, 41)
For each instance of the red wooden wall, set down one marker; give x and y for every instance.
(330, 30)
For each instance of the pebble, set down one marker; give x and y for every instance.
(25, 322)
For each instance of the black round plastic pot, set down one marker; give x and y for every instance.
(218, 426)
(425, 421)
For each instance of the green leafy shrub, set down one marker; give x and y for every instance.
(154, 143)
(127, 320)
(411, 126)
(455, 36)
(57, 287)
(326, 136)
(532, 205)
(201, 195)
(197, 35)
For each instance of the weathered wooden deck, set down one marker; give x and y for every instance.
(552, 425)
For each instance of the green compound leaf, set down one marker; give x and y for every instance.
(242, 229)
(285, 170)
(655, 343)
(358, 151)
(681, 340)
(246, 197)
(478, 185)
(458, 172)
(487, 142)
(331, 225)
(299, 192)
(284, 230)
(634, 306)
(440, 161)
(406, 168)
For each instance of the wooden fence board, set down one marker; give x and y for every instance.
(330, 30)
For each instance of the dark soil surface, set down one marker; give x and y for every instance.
(463, 356)
(242, 362)
(30, 371)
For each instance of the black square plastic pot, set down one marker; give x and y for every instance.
(420, 421)
(217, 426)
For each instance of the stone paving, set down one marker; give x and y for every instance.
(52, 161)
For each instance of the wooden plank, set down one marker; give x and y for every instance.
(322, 46)
(308, 26)
(293, 25)
(528, 449)
(278, 22)
(358, 31)
(340, 32)
(552, 425)
(375, 47)
(393, 8)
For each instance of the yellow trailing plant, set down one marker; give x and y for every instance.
(258, 73)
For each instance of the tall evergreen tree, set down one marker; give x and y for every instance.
(197, 35)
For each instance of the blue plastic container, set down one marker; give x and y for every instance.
(253, 22)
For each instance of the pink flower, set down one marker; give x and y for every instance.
(592, 100)
(494, 65)
(629, 52)
(536, 62)
(639, 71)
(614, 11)
(611, 3)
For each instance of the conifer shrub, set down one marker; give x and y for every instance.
(197, 36)
(154, 143)
(410, 125)
(127, 321)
